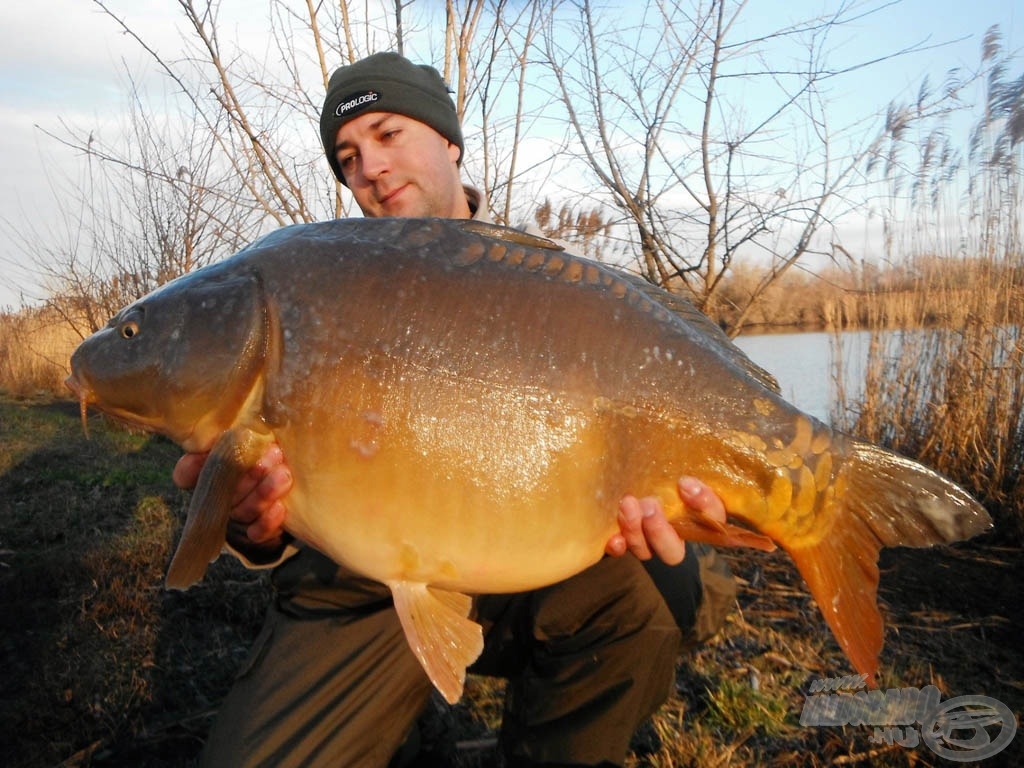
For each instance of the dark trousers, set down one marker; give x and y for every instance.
(331, 681)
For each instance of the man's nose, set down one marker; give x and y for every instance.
(374, 163)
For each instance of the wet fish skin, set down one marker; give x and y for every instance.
(462, 406)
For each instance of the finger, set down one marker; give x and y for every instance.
(269, 526)
(247, 483)
(276, 484)
(616, 546)
(631, 527)
(256, 477)
(263, 495)
(660, 535)
(186, 471)
(701, 498)
(271, 457)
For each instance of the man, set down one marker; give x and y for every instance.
(331, 680)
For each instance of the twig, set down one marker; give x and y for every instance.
(862, 756)
(980, 624)
(82, 756)
(488, 742)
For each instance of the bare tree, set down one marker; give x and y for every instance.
(262, 121)
(148, 207)
(643, 122)
(171, 192)
(504, 106)
(696, 177)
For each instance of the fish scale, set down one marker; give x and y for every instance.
(462, 406)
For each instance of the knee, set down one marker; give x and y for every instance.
(602, 660)
(613, 603)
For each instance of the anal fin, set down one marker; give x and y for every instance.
(441, 636)
(693, 526)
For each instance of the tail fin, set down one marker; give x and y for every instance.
(887, 500)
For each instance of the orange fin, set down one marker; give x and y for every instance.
(841, 571)
(694, 526)
(437, 628)
(203, 536)
(889, 500)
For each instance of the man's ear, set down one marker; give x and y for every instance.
(454, 152)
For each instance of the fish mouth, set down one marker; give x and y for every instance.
(87, 397)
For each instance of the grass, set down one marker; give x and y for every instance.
(103, 667)
(97, 656)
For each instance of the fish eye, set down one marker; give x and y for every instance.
(128, 322)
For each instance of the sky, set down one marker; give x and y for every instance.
(63, 62)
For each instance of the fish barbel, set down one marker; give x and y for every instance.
(462, 406)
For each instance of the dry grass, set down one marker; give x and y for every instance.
(738, 700)
(35, 346)
(97, 657)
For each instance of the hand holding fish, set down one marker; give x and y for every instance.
(645, 531)
(259, 509)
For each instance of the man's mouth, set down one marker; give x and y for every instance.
(391, 196)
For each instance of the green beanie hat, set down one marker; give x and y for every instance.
(387, 82)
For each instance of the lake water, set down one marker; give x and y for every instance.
(804, 365)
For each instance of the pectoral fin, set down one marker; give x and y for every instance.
(441, 636)
(206, 526)
(693, 526)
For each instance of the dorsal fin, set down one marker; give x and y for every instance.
(517, 236)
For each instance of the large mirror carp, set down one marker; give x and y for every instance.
(462, 406)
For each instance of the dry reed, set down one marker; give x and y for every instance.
(952, 396)
(35, 346)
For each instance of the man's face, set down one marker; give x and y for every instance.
(397, 166)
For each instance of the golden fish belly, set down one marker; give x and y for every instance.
(467, 546)
(476, 488)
